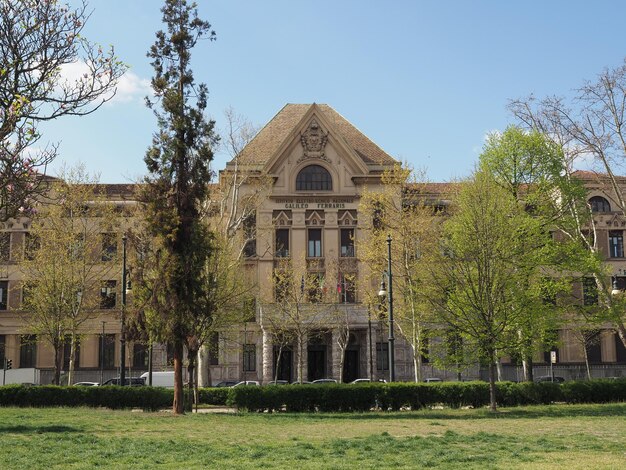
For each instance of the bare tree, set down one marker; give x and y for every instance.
(66, 262)
(38, 41)
(590, 125)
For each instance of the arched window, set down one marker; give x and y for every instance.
(314, 178)
(599, 204)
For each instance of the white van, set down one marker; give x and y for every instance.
(160, 379)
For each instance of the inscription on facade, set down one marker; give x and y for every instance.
(314, 203)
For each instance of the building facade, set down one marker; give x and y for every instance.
(309, 220)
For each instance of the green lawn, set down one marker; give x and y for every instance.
(592, 436)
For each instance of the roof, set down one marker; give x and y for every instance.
(269, 139)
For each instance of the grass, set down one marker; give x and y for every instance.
(585, 436)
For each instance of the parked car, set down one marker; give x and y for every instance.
(548, 378)
(324, 381)
(132, 381)
(364, 381)
(247, 382)
(226, 383)
(304, 382)
(432, 380)
(278, 382)
(87, 384)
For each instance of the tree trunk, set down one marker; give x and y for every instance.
(70, 375)
(57, 364)
(177, 406)
(498, 364)
(204, 378)
(587, 360)
(492, 382)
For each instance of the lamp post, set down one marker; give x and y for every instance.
(123, 319)
(102, 355)
(383, 293)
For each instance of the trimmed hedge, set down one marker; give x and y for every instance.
(397, 396)
(327, 398)
(114, 397)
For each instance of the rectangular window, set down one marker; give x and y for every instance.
(315, 287)
(249, 233)
(214, 341)
(382, 356)
(616, 244)
(140, 356)
(4, 295)
(67, 350)
(346, 288)
(28, 350)
(106, 351)
(282, 243)
(347, 243)
(2, 348)
(109, 246)
(282, 285)
(108, 294)
(31, 245)
(315, 243)
(249, 357)
(5, 247)
(590, 291)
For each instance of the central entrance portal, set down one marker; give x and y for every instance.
(317, 362)
(282, 364)
(351, 365)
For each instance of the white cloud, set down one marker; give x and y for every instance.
(130, 87)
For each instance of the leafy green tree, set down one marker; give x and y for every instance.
(179, 173)
(38, 39)
(530, 167)
(478, 275)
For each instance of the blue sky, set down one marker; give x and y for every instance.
(425, 80)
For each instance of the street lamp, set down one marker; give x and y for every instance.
(123, 319)
(382, 293)
(102, 355)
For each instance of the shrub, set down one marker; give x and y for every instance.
(213, 396)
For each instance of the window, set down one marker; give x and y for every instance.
(282, 243)
(382, 356)
(616, 244)
(377, 216)
(249, 357)
(28, 350)
(77, 247)
(109, 246)
(315, 287)
(107, 294)
(2, 348)
(31, 245)
(140, 355)
(214, 340)
(107, 351)
(590, 291)
(314, 178)
(67, 352)
(249, 233)
(282, 285)
(599, 204)
(4, 294)
(347, 242)
(346, 288)
(5, 247)
(315, 243)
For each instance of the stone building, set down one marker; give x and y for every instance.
(320, 166)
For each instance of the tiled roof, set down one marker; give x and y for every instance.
(267, 142)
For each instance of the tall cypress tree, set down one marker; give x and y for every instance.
(178, 165)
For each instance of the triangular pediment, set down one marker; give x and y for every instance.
(316, 140)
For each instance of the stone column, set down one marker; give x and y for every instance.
(204, 378)
(267, 357)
